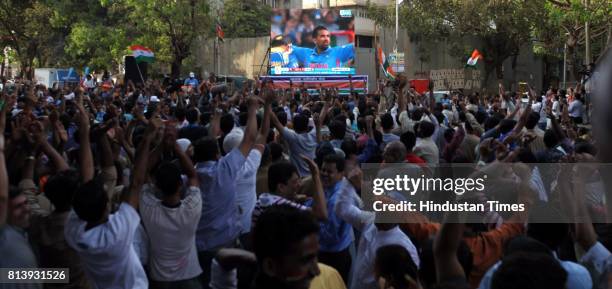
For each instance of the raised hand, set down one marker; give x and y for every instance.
(253, 102)
(269, 95)
(153, 127)
(403, 81)
(312, 166)
(369, 120)
(37, 131)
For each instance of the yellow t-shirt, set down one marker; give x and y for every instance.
(328, 279)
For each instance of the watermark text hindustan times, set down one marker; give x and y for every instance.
(447, 206)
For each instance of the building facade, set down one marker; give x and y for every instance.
(426, 59)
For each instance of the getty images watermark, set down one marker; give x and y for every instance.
(405, 184)
(508, 192)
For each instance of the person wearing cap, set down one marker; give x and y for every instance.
(192, 80)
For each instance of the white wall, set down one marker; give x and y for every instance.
(244, 57)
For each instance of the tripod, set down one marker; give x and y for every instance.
(266, 57)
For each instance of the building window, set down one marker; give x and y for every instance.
(364, 41)
(360, 12)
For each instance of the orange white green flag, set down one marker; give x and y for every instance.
(142, 54)
(474, 58)
(384, 63)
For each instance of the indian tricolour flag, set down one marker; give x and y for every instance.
(474, 59)
(142, 54)
(384, 63)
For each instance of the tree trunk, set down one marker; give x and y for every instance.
(499, 69)
(609, 42)
(572, 62)
(571, 43)
(177, 61)
(489, 67)
(30, 75)
(513, 84)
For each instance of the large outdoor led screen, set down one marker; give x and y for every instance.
(311, 42)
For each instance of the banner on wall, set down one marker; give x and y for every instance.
(313, 83)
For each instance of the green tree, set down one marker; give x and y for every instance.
(169, 26)
(562, 24)
(97, 32)
(25, 27)
(245, 18)
(503, 27)
(96, 45)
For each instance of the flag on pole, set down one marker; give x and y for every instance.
(473, 59)
(85, 72)
(142, 54)
(384, 63)
(399, 2)
(220, 33)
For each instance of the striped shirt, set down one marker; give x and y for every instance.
(266, 200)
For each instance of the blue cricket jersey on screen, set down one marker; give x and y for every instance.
(283, 59)
(338, 56)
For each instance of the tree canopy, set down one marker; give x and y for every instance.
(502, 26)
(245, 18)
(97, 33)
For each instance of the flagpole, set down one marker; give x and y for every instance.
(140, 73)
(377, 42)
(218, 56)
(397, 2)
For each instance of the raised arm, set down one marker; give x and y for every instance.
(445, 249)
(187, 166)
(277, 124)
(324, 111)
(401, 98)
(516, 109)
(58, 161)
(250, 132)
(215, 123)
(140, 167)
(585, 233)
(105, 149)
(85, 154)
(270, 96)
(525, 193)
(319, 207)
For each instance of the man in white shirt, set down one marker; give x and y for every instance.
(425, 146)
(104, 241)
(171, 222)
(246, 194)
(373, 236)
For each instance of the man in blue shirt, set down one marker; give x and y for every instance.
(219, 225)
(323, 56)
(336, 235)
(192, 80)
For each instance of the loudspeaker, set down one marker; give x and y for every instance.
(131, 70)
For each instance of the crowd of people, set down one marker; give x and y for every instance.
(148, 185)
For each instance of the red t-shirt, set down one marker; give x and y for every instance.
(414, 159)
